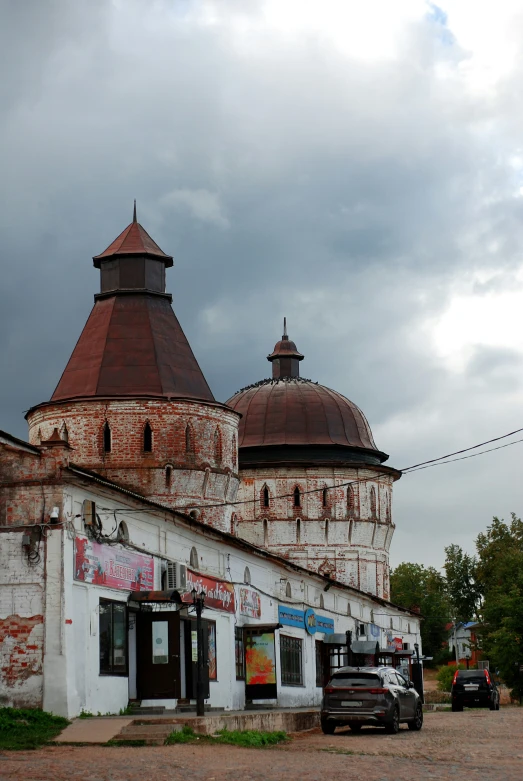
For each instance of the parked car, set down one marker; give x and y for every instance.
(379, 696)
(474, 689)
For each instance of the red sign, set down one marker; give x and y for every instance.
(218, 593)
(112, 566)
(398, 643)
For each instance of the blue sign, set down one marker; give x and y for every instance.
(308, 620)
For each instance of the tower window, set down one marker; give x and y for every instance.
(298, 531)
(324, 497)
(107, 438)
(288, 590)
(373, 502)
(168, 476)
(189, 444)
(350, 500)
(297, 497)
(147, 438)
(265, 532)
(217, 446)
(247, 575)
(265, 497)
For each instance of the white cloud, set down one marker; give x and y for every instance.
(201, 204)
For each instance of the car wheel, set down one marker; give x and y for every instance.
(393, 726)
(328, 727)
(456, 708)
(355, 726)
(497, 706)
(417, 722)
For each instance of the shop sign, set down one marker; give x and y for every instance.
(374, 630)
(397, 642)
(250, 603)
(308, 620)
(219, 594)
(112, 566)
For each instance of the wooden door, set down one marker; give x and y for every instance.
(158, 655)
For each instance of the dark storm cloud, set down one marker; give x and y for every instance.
(286, 178)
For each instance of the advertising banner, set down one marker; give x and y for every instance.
(250, 603)
(260, 660)
(308, 620)
(112, 566)
(219, 594)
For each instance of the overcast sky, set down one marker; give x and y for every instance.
(354, 166)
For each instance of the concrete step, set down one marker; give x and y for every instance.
(151, 734)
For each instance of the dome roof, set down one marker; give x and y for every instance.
(295, 411)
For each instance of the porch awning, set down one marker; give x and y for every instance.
(262, 627)
(142, 597)
(335, 639)
(365, 647)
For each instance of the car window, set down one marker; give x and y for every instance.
(401, 679)
(355, 679)
(471, 676)
(391, 677)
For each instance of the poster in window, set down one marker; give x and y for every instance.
(260, 660)
(213, 669)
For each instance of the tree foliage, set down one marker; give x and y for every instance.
(462, 587)
(416, 586)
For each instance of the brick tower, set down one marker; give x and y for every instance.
(295, 437)
(132, 402)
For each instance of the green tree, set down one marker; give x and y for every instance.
(416, 586)
(462, 588)
(499, 573)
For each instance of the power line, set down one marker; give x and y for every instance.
(429, 466)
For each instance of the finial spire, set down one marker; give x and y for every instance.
(284, 328)
(134, 211)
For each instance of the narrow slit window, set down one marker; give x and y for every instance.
(350, 500)
(168, 476)
(265, 532)
(288, 590)
(373, 502)
(147, 438)
(188, 439)
(297, 497)
(298, 531)
(107, 437)
(217, 446)
(266, 497)
(325, 497)
(327, 532)
(65, 433)
(193, 559)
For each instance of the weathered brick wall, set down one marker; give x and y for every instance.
(347, 536)
(21, 623)
(193, 459)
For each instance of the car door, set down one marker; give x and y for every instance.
(407, 697)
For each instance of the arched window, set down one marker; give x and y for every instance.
(297, 497)
(168, 475)
(327, 532)
(322, 601)
(64, 434)
(298, 530)
(193, 559)
(217, 446)
(234, 452)
(147, 438)
(349, 612)
(288, 590)
(325, 497)
(266, 499)
(265, 532)
(189, 440)
(247, 575)
(350, 501)
(122, 534)
(107, 438)
(373, 502)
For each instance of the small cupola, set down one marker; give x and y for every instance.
(133, 262)
(285, 357)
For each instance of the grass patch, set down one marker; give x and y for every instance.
(245, 738)
(24, 728)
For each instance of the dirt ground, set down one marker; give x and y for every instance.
(473, 744)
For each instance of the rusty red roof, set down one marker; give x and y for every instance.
(132, 345)
(295, 411)
(134, 240)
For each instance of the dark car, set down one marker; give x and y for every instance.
(474, 689)
(379, 696)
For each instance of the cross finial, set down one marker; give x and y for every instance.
(134, 211)
(285, 328)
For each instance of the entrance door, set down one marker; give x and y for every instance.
(158, 655)
(191, 659)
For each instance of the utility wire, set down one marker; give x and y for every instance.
(440, 463)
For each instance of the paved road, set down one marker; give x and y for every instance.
(473, 744)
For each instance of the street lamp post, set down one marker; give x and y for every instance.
(198, 600)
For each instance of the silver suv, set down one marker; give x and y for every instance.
(379, 696)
